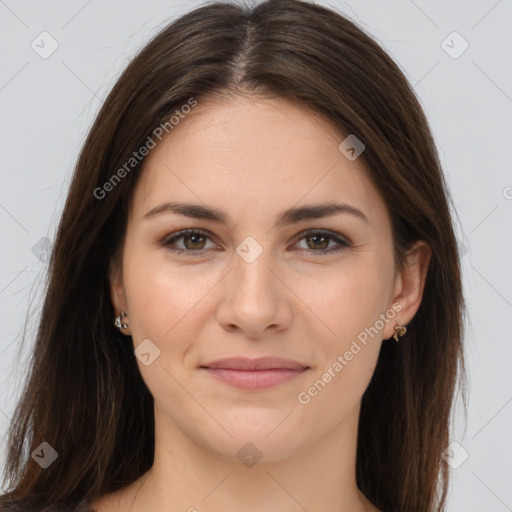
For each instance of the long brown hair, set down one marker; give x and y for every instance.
(84, 394)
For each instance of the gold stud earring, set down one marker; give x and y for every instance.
(118, 321)
(400, 330)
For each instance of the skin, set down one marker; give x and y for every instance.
(254, 158)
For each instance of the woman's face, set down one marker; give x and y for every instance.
(255, 285)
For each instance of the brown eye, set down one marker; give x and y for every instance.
(318, 242)
(193, 242)
(196, 241)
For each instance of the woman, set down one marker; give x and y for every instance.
(255, 299)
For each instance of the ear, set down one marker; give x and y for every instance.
(409, 286)
(117, 293)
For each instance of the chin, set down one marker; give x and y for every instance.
(255, 449)
(228, 434)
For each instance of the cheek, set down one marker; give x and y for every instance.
(351, 308)
(162, 297)
(164, 304)
(350, 302)
(348, 299)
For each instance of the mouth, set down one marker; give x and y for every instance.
(255, 374)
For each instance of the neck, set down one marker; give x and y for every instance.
(188, 475)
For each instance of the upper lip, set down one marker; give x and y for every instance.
(260, 363)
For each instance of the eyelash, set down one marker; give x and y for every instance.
(342, 244)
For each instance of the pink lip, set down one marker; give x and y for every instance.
(255, 374)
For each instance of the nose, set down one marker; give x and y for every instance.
(255, 298)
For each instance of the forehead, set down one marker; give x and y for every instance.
(244, 153)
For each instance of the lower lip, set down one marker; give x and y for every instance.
(255, 380)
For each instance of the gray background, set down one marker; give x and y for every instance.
(47, 106)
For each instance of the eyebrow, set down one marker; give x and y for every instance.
(290, 216)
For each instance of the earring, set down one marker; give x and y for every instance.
(118, 323)
(400, 330)
(118, 319)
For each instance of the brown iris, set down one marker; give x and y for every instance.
(323, 237)
(194, 236)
